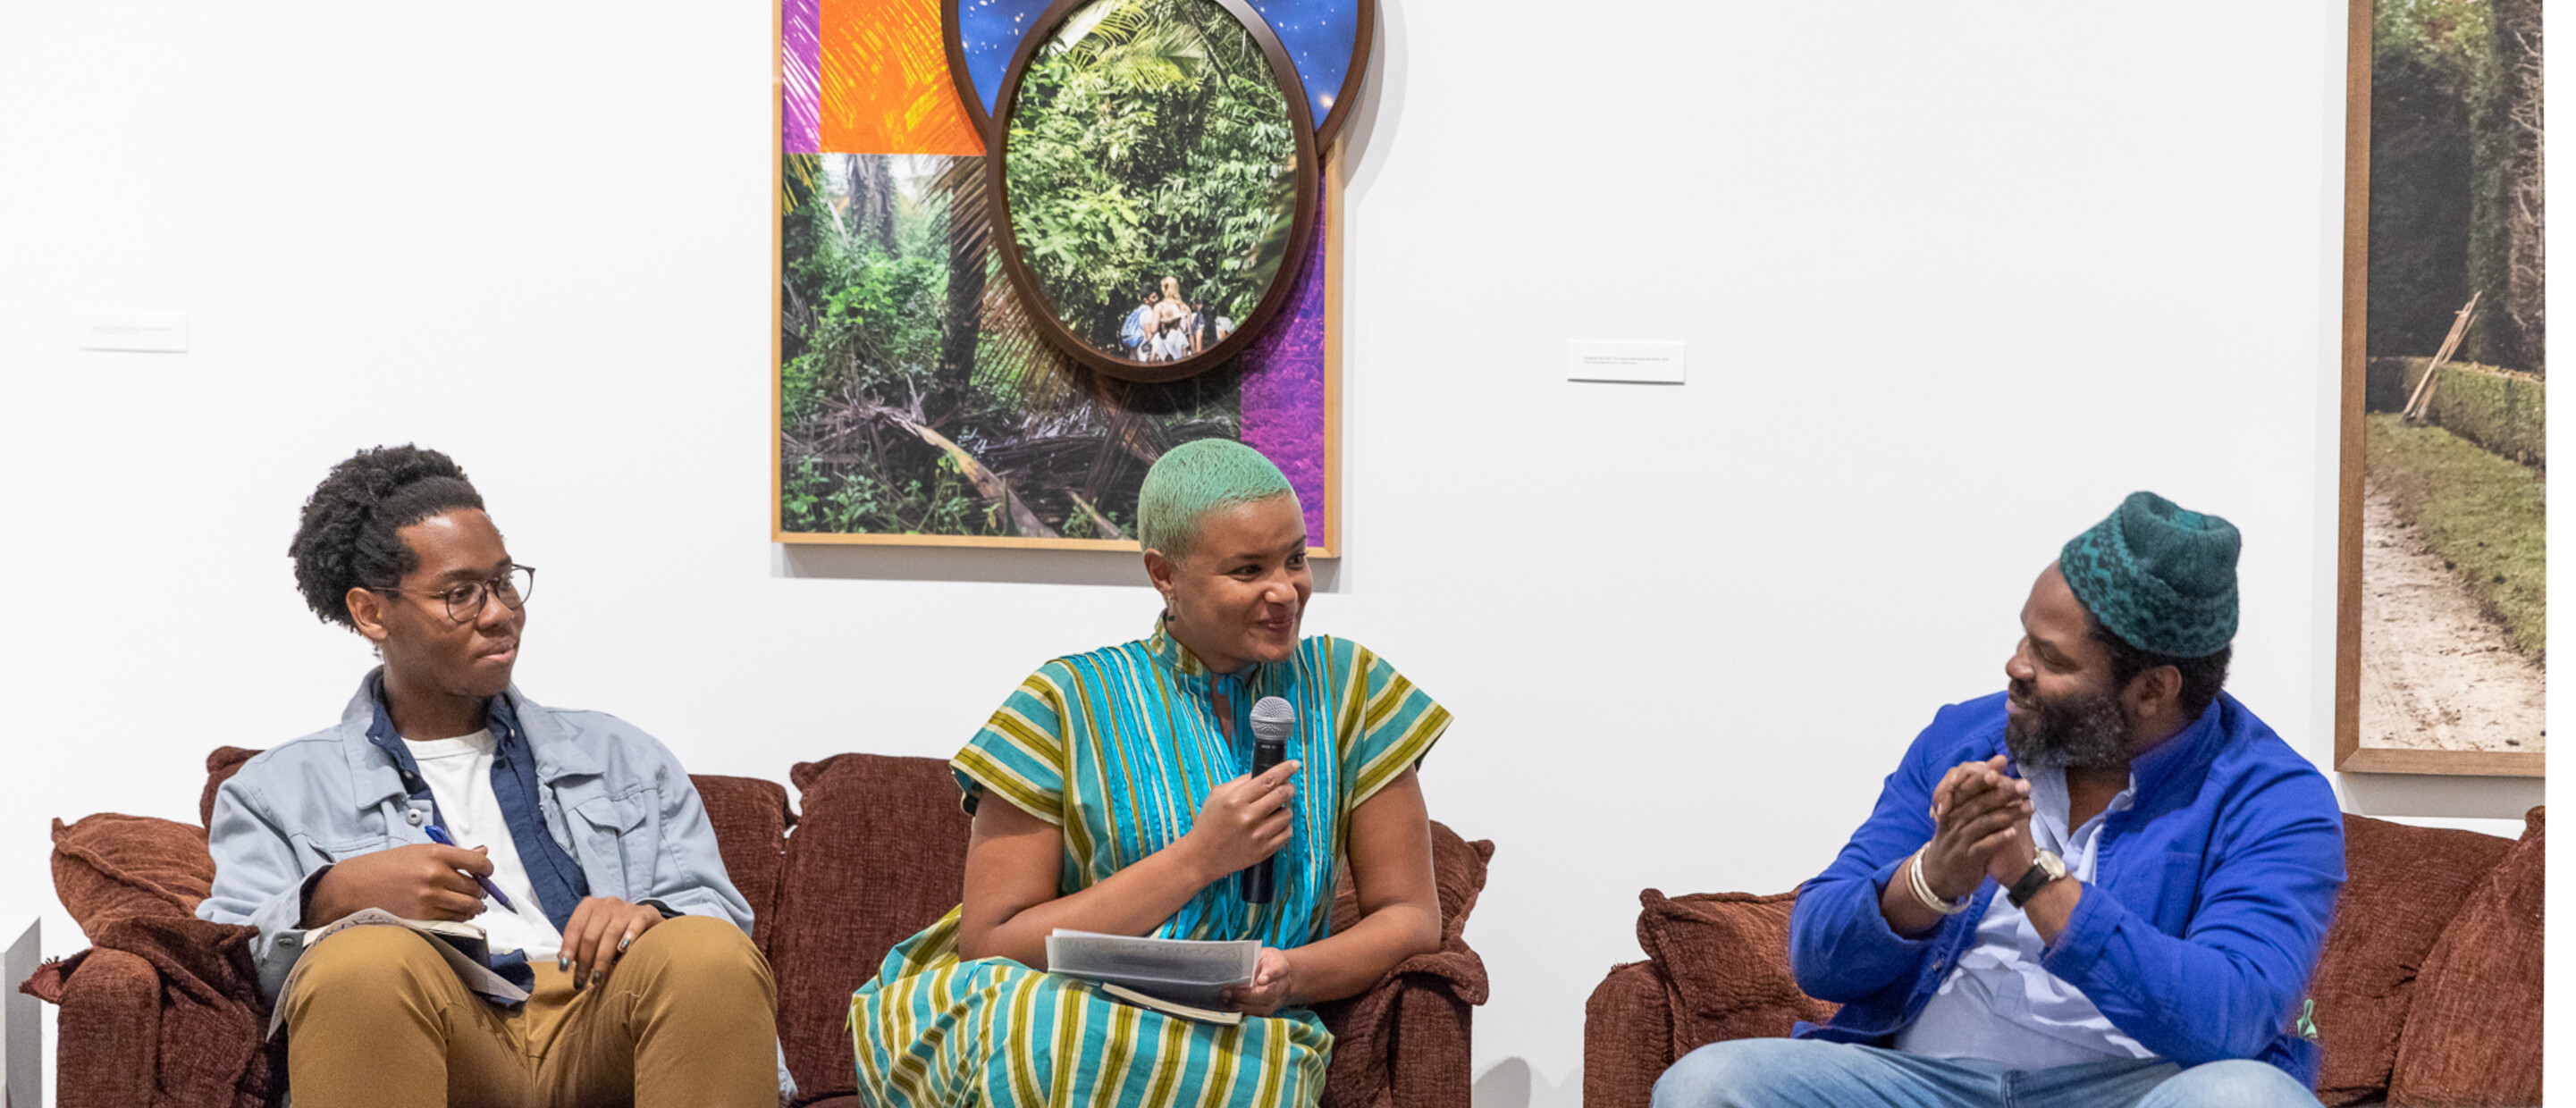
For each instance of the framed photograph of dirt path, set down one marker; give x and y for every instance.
(2442, 614)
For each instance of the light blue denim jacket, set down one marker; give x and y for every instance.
(613, 797)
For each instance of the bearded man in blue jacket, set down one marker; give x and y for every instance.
(2105, 887)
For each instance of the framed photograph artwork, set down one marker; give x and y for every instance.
(2442, 590)
(1023, 247)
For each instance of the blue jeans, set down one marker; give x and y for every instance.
(1775, 1073)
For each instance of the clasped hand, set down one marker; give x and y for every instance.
(1980, 829)
(1244, 821)
(421, 881)
(1270, 986)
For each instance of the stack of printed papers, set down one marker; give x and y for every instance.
(1189, 975)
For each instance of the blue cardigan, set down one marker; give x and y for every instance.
(2196, 937)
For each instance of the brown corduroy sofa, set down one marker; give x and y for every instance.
(163, 1009)
(2428, 992)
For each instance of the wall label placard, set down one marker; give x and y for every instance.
(134, 332)
(1651, 363)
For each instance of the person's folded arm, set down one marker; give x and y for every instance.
(1399, 900)
(258, 882)
(1014, 859)
(2227, 987)
(1840, 944)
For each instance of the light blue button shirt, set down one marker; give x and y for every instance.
(1999, 1005)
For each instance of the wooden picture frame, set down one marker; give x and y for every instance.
(2350, 756)
(1319, 256)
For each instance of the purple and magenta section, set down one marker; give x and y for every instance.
(1283, 390)
(1283, 379)
(800, 72)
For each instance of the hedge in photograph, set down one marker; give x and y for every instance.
(2504, 411)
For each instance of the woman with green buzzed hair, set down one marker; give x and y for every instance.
(1127, 808)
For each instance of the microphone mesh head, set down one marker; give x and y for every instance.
(1272, 718)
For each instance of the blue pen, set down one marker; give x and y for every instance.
(439, 835)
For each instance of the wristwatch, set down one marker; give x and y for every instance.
(2046, 868)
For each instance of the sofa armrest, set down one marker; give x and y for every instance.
(1433, 1064)
(162, 1011)
(1458, 971)
(1407, 1040)
(107, 1048)
(1627, 1037)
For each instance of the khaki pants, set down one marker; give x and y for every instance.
(688, 1017)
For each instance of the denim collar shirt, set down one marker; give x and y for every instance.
(2202, 917)
(611, 797)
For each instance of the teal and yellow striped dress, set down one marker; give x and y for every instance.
(1118, 748)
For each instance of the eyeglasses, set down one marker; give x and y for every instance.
(465, 602)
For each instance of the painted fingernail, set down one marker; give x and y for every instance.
(621, 944)
(598, 976)
(563, 965)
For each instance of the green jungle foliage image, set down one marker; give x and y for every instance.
(914, 397)
(1148, 140)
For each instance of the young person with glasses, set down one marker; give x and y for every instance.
(573, 839)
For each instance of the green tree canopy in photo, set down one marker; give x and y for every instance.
(2456, 178)
(1149, 139)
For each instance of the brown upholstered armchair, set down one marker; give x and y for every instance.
(2428, 992)
(163, 1009)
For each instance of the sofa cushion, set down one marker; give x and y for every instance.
(2405, 883)
(1727, 956)
(2473, 1037)
(110, 867)
(1457, 868)
(220, 767)
(750, 818)
(879, 854)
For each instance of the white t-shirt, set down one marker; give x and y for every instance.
(459, 773)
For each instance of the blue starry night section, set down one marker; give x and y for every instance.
(988, 33)
(1320, 37)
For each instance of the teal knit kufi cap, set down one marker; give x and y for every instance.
(2160, 576)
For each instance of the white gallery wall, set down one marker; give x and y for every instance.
(1953, 278)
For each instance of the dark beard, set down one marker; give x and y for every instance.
(2079, 732)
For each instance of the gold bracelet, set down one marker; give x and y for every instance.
(1923, 890)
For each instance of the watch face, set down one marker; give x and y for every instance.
(2045, 869)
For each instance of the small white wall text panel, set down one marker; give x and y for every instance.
(1652, 363)
(144, 332)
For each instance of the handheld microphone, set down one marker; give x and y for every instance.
(1272, 719)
